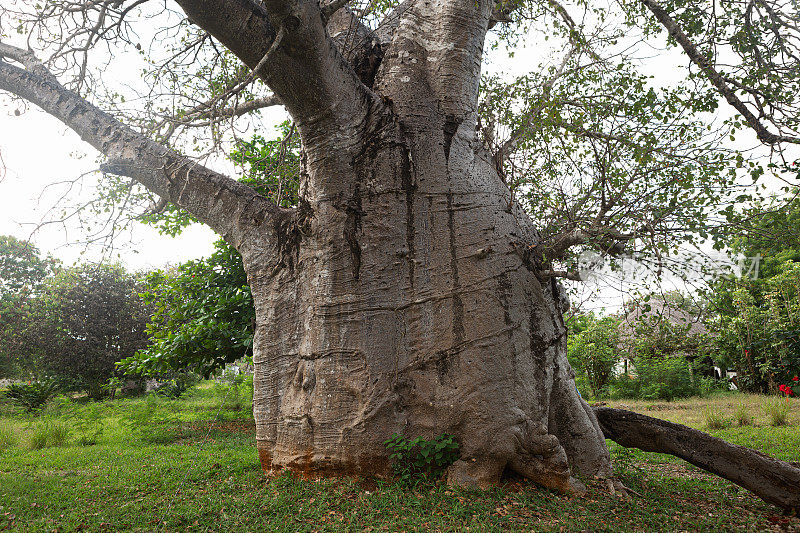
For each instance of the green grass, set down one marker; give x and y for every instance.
(777, 411)
(208, 478)
(49, 433)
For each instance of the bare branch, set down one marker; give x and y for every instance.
(229, 207)
(304, 69)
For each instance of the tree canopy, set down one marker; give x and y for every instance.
(602, 153)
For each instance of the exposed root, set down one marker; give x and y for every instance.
(616, 488)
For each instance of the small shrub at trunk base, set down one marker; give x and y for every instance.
(49, 434)
(420, 458)
(714, 419)
(777, 411)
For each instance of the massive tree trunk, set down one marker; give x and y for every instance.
(403, 295)
(405, 299)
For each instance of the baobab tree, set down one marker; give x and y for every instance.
(408, 291)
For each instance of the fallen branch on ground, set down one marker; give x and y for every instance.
(773, 480)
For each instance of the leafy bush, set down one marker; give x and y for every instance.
(756, 328)
(49, 434)
(709, 386)
(592, 351)
(666, 378)
(177, 386)
(777, 411)
(33, 395)
(203, 317)
(235, 392)
(421, 458)
(658, 378)
(624, 386)
(8, 438)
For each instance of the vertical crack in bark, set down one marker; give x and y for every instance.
(407, 179)
(450, 128)
(458, 304)
(352, 226)
(289, 231)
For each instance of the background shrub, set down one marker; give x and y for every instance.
(658, 378)
(32, 395)
(151, 423)
(89, 425)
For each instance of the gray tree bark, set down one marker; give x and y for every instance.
(401, 296)
(773, 480)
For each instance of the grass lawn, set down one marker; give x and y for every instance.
(180, 472)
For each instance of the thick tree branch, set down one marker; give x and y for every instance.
(438, 45)
(716, 79)
(775, 481)
(229, 207)
(306, 70)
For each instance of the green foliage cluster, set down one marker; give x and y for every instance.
(235, 392)
(272, 167)
(665, 360)
(33, 395)
(151, 424)
(177, 385)
(203, 317)
(88, 425)
(22, 272)
(593, 350)
(658, 378)
(66, 324)
(90, 317)
(758, 326)
(414, 459)
(21, 267)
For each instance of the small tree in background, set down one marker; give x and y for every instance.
(592, 350)
(757, 317)
(89, 318)
(22, 271)
(202, 316)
